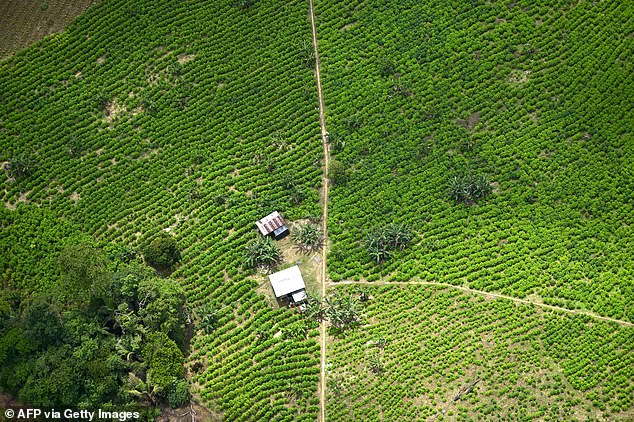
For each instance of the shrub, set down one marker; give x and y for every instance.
(308, 237)
(178, 393)
(468, 188)
(380, 242)
(337, 173)
(162, 253)
(262, 252)
(21, 167)
(164, 362)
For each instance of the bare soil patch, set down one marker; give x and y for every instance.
(184, 58)
(471, 121)
(348, 27)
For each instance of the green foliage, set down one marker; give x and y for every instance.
(21, 167)
(209, 318)
(315, 308)
(343, 312)
(436, 341)
(162, 252)
(60, 354)
(308, 237)
(382, 241)
(375, 363)
(41, 325)
(164, 362)
(84, 272)
(337, 173)
(139, 171)
(485, 91)
(178, 393)
(243, 4)
(308, 52)
(262, 252)
(468, 188)
(162, 307)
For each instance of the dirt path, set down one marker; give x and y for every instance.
(490, 294)
(325, 187)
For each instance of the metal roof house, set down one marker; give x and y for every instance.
(289, 284)
(273, 224)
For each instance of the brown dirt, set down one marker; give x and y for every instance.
(348, 27)
(184, 58)
(471, 121)
(519, 77)
(25, 22)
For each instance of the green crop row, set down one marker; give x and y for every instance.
(524, 94)
(195, 118)
(530, 363)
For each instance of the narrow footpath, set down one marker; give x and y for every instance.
(489, 294)
(324, 199)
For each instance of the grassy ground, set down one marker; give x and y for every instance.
(25, 22)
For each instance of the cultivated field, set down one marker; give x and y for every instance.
(193, 119)
(25, 22)
(432, 344)
(533, 97)
(197, 118)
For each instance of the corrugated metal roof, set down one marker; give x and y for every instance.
(287, 281)
(270, 223)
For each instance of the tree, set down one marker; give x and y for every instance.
(337, 173)
(315, 308)
(178, 393)
(162, 307)
(343, 312)
(209, 318)
(21, 166)
(308, 51)
(375, 363)
(243, 4)
(42, 325)
(262, 252)
(309, 237)
(84, 272)
(164, 362)
(162, 252)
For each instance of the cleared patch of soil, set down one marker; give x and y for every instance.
(471, 121)
(184, 58)
(519, 77)
(348, 27)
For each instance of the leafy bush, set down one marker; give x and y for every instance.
(178, 393)
(468, 188)
(164, 361)
(162, 253)
(21, 167)
(380, 242)
(262, 252)
(337, 173)
(309, 237)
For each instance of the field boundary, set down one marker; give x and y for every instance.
(489, 294)
(325, 188)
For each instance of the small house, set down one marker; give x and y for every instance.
(289, 285)
(273, 224)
